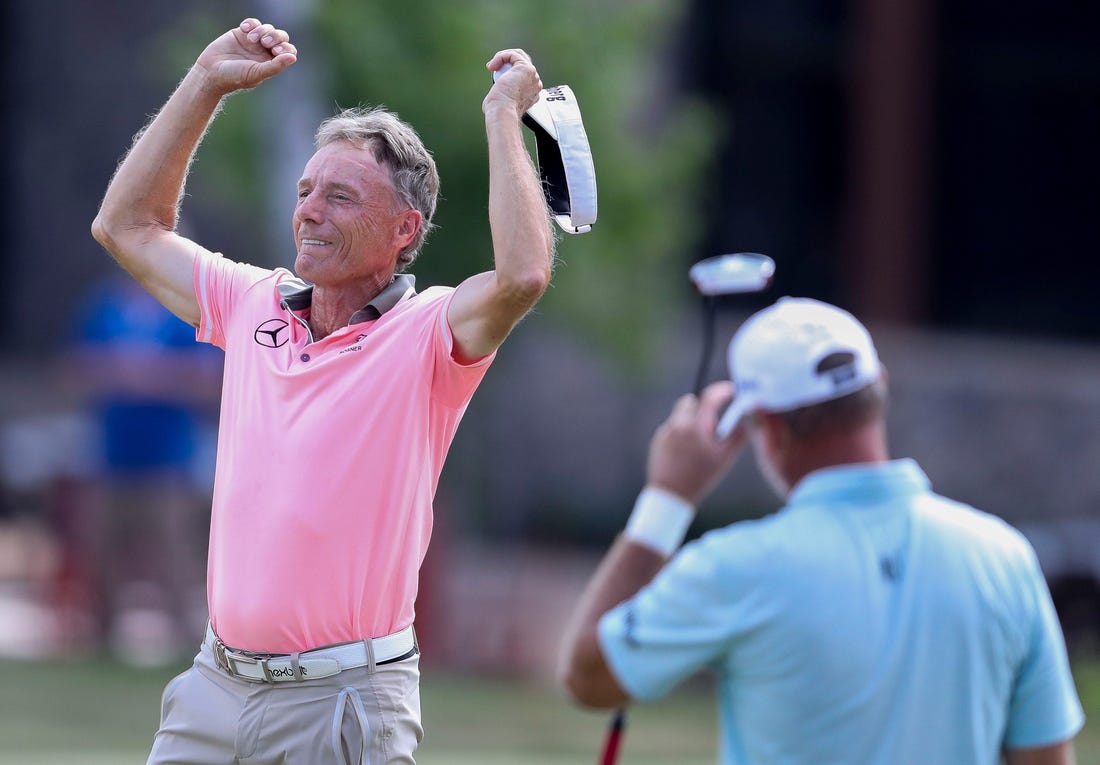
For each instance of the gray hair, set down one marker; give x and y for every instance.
(838, 415)
(397, 146)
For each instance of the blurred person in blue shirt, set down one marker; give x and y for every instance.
(869, 621)
(152, 392)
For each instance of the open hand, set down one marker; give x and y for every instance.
(247, 55)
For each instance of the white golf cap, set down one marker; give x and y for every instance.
(564, 158)
(775, 357)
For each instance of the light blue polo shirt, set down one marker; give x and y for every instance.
(868, 621)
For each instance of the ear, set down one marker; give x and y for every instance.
(408, 225)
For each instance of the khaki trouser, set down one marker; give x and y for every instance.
(355, 717)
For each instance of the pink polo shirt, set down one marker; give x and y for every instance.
(329, 454)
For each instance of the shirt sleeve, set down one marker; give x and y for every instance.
(453, 384)
(1045, 708)
(219, 282)
(687, 618)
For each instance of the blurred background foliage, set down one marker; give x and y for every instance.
(649, 141)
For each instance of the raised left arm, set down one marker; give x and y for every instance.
(487, 306)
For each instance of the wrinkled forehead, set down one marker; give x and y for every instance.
(345, 163)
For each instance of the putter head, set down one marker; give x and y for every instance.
(732, 274)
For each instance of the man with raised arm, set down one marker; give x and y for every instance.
(342, 390)
(870, 620)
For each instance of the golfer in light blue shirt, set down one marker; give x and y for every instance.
(868, 621)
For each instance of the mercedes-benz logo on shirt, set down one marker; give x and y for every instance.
(272, 333)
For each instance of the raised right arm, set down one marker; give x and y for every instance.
(137, 218)
(685, 461)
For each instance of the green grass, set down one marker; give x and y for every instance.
(473, 721)
(97, 712)
(1087, 675)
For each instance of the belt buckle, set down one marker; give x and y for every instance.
(228, 663)
(268, 677)
(221, 658)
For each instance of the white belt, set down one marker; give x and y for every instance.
(310, 665)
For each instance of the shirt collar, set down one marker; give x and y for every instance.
(297, 295)
(862, 483)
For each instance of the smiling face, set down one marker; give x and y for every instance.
(349, 223)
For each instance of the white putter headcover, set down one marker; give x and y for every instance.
(564, 157)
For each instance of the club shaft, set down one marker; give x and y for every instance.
(710, 305)
(614, 738)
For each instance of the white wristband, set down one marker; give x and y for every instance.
(660, 520)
